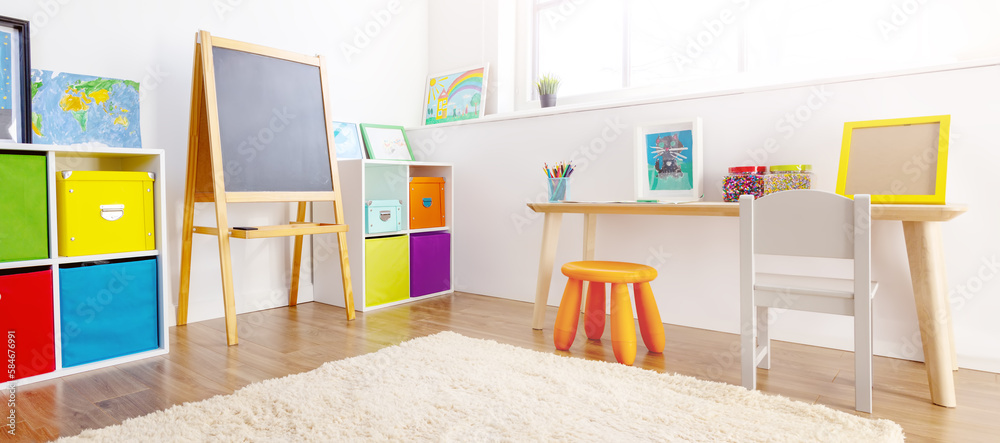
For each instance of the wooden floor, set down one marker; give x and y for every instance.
(283, 341)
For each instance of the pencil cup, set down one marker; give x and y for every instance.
(558, 189)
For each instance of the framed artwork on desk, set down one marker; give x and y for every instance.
(15, 87)
(385, 142)
(668, 161)
(899, 160)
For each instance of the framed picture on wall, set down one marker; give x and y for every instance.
(15, 87)
(455, 96)
(668, 162)
(347, 140)
(900, 160)
(385, 142)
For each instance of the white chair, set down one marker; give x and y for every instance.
(806, 223)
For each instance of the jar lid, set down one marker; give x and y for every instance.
(791, 168)
(747, 169)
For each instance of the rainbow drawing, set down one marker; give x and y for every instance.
(456, 96)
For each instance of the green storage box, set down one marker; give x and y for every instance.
(24, 223)
(387, 270)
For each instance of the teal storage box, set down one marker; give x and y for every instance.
(383, 216)
(108, 310)
(24, 219)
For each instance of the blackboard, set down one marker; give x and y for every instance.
(271, 123)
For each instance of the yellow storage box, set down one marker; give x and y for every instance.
(387, 270)
(103, 212)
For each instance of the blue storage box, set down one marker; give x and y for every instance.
(383, 216)
(108, 310)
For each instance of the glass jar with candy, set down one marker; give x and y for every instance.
(787, 177)
(743, 180)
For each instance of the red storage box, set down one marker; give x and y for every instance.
(26, 323)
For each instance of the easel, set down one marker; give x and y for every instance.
(206, 183)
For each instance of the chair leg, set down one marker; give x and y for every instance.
(763, 339)
(863, 361)
(595, 315)
(650, 324)
(622, 324)
(748, 346)
(568, 316)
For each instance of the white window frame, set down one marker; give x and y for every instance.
(525, 65)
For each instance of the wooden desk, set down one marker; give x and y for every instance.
(923, 249)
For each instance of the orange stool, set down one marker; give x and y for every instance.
(619, 274)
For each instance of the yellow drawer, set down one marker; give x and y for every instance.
(387, 270)
(103, 212)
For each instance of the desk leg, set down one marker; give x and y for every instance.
(550, 239)
(589, 235)
(924, 251)
(947, 304)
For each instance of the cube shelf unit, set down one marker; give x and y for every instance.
(135, 274)
(362, 181)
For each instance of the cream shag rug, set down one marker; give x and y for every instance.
(447, 387)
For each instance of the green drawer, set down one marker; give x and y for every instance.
(24, 225)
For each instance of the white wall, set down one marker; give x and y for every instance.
(498, 165)
(468, 33)
(153, 42)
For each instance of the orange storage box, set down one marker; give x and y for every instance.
(426, 202)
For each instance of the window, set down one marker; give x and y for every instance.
(585, 39)
(595, 46)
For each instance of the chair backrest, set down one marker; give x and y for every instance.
(807, 223)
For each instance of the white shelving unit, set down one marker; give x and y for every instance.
(88, 158)
(361, 181)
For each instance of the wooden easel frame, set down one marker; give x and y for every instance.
(205, 171)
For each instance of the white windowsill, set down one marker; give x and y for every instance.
(672, 97)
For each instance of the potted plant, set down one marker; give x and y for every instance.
(547, 86)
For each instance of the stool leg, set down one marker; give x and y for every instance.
(593, 319)
(568, 316)
(622, 324)
(650, 324)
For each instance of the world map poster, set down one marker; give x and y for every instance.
(69, 109)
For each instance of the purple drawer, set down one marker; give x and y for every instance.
(430, 263)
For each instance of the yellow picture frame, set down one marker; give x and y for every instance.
(899, 160)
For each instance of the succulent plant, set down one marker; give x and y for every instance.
(547, 84)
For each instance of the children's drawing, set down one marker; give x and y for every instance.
(669, 161)
(345, 137)
(454, 97)
(386, 142)
(6, 91)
